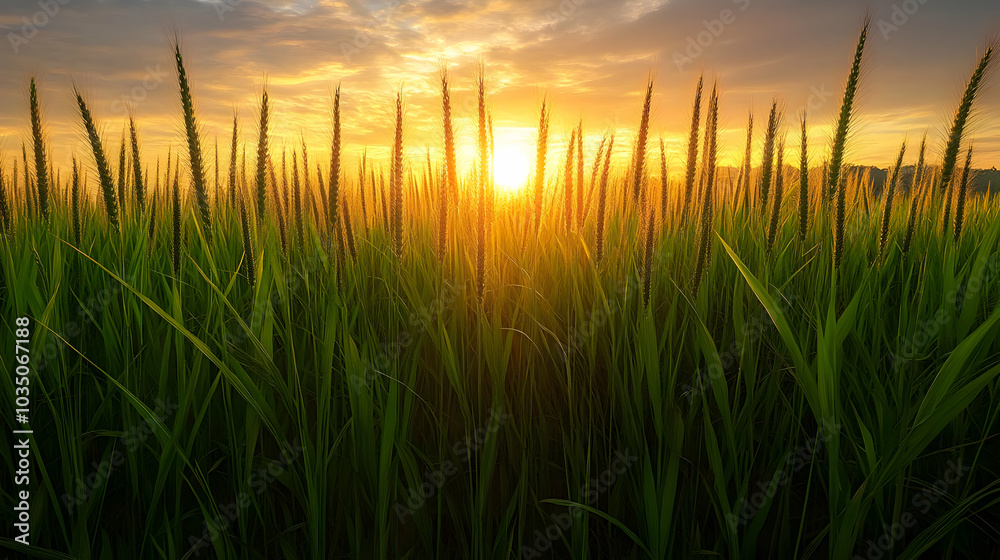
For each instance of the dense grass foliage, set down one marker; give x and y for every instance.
(460, 375)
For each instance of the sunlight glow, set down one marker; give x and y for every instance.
(511, 168)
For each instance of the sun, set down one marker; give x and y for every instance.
(511, 166)
(513, 158)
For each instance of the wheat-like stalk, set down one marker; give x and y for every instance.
(297, 198)
(100, 161)
(314, 206)
(286, 198)
(593, 178)
(340, 259)
(384, 199)
(840, 141)
(490, 183)
(29, 187)
(361, 189)
(350, 233)
(579, 175)
(568, 180)
(451, 176)
(396, 184)
(374, 197)
(137, 184)
(926, 193)
(234, 152)
(692, 154)
(166, 176)
(705, 242)
(175, 238)
(41, 168)
(747, 155)
(194, 146)
(76, 203)
(333, 187)
(862, 183)
(428, 175)
(145, 181)
(282, 230)
(5, 212)
(824, 184)
(249, 262)
(915, 190)
(964, 110)
(483, 179)
(602, 198)
(640, 144)
(57, 180)
(14, 185)
(949, 195)
(890, 192)
(122, 173)
(324, 192)
(324, 199)
(767, 161)
(150, 234)
(779, 182)
(262, 157)
(703, 172)
(626, 186)
(962, 188)
(664, 181)
(540, 153)
(647, 277)
(712, 160)
(216, 169)
(804, 182)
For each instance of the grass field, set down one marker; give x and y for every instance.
(276, 359)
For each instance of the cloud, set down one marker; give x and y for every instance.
(589, 57)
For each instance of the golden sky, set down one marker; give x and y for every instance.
(590, 58)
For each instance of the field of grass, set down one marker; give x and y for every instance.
(396, 362)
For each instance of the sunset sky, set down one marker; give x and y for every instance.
(591, 59)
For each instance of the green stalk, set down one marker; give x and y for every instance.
(194, 146)
(840, 142)
(41, 168)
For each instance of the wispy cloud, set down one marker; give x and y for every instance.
(590, 57)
